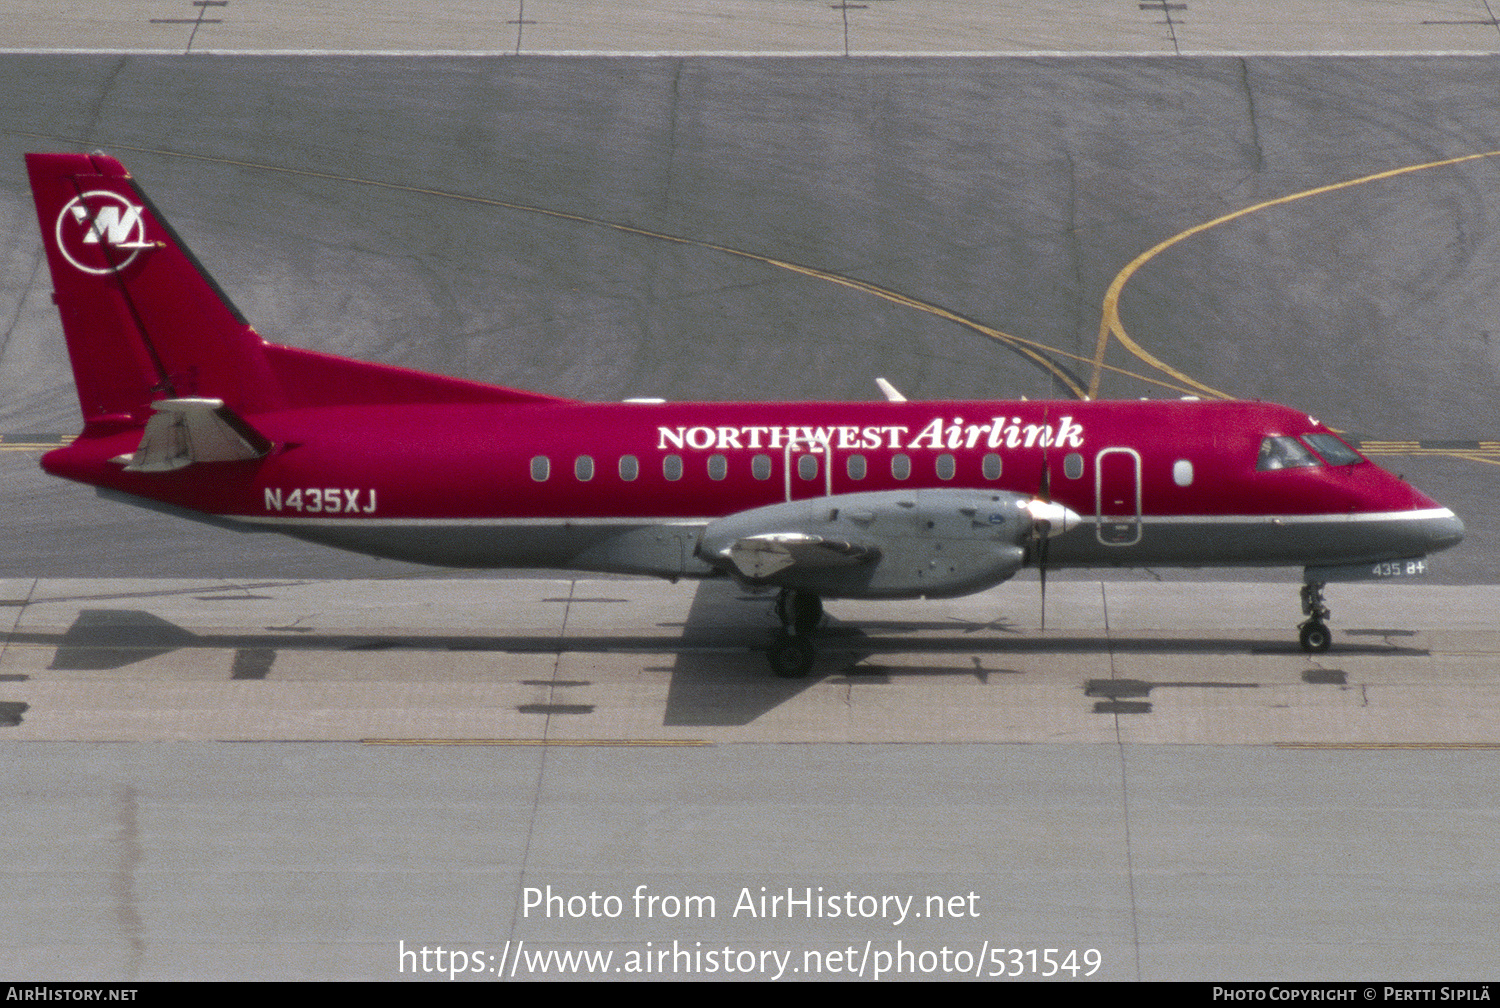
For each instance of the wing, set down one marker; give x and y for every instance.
(896, 544)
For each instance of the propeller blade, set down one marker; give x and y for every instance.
(1043, 528)
(1048, 519)
(1041, 566)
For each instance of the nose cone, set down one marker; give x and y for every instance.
(1437, 527)
(1442, 530)
(1414, 523)
(1050, 518)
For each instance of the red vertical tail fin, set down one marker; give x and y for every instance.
(145, 322)
(142, 319)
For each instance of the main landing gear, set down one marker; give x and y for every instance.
(1313, 633)
(792, 653)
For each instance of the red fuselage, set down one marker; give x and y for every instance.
(1156, 482)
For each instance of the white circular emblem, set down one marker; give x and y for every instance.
(102, 226)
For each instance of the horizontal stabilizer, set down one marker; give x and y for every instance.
(761, 556)
(185, 431)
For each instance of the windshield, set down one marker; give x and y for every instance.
(1334, 451)
(1284, 453)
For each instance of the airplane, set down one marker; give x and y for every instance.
(187, 410)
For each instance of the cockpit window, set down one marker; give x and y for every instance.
(1334, 451)
(1283, 453)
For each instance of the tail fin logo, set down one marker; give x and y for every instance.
(102, 228)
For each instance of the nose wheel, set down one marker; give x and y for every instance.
(1313, 633)
(792, 653)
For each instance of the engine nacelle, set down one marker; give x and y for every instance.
(892, 544)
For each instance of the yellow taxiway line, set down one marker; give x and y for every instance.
(1109, 323)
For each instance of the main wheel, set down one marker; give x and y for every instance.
(807, 611)
(791, 657)
(799, 611)
(1314, 636)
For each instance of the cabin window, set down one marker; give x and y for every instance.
(901, 466)
(1073, 465)
(992, 466)
(760, 467)
(583, 467)
(1334, 451)
(671, 467)
(856, 466)
(541, 468)
(946, 467)
(1284, 453)
(718, 467)
(630, 467)
(807, 466)
(1182, 472)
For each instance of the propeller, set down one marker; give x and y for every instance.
(1048, 519)
(1042, 525)
(1041, 528)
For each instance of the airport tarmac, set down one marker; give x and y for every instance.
(1160, 783)
(765, 27)
(237, 757)
(1200, 663)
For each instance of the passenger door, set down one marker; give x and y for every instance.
(1117, 496)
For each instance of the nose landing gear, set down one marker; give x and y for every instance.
(1313, 633)
(792, 653)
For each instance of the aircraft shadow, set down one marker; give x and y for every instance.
(719, 677)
